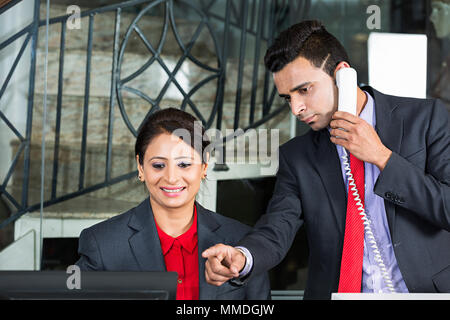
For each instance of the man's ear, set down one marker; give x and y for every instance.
(342, 64)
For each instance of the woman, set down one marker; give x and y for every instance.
(169, 230)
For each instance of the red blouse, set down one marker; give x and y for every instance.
(181, 255)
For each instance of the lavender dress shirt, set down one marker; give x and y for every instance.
(372, 280)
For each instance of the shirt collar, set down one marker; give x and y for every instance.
(368, 112)
(187, 240)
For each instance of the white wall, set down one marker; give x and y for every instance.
(398, 63)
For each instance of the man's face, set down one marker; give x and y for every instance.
(310, 92)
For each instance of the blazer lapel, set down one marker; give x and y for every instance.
(207, 237)
(145, 243)
(389, 128)
(388, 125)
(328, 166)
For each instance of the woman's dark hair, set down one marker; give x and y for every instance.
(173, 121)
(307, 39)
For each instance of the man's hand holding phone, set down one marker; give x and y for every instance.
(359, 138)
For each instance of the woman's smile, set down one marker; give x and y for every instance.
(172, 191)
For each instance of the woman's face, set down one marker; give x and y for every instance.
(172, 171)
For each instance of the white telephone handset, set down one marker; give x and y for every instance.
(346, 81)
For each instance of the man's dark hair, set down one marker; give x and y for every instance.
(310, 40)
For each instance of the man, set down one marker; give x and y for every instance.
(402, 146)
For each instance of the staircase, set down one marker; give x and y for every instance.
(68, 218)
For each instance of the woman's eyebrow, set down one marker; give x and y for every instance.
(164, 158)
(157, 157)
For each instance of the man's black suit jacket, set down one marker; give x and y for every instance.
(130, 242)
(415, 185)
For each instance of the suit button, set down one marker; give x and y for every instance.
(180, 281)
(388, 195)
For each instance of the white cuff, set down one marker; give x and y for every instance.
(248, 261)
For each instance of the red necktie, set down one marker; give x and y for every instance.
(352, 254)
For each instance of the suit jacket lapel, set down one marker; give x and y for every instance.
(390, 130)
(328, 166)
(145, 243)
(389, 126)
(207, 237)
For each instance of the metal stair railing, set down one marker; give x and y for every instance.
(261, 19)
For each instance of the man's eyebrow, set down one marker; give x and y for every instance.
(300, 86)
(295, 89)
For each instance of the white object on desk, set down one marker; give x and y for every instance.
(390, 296)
